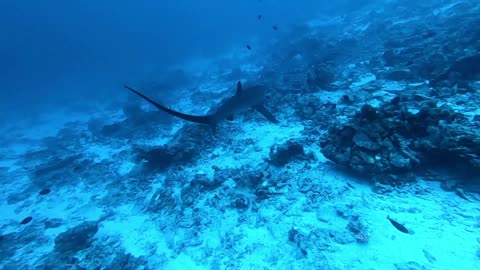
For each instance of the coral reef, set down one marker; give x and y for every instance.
(280, 155)
(76, 239)
(392, 140)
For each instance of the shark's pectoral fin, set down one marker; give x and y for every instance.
(266, 113)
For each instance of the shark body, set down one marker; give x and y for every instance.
(243, 100)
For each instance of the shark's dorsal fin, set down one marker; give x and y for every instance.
(239, 88)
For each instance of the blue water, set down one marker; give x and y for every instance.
(53, 46)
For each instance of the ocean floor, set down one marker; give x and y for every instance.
(317, 218)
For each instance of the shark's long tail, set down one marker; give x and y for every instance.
(207, 120)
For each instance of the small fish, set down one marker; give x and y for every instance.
(398, 226)
(249, 47)
(259, 16)
(26, 220)
(44, 191)
(275, 28)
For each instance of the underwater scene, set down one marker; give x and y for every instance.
(253, 134)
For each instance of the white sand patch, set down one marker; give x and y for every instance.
(140, 235)
(393, 86)
(435, 221)
(264, 136)
(102, 152)
(9, 216)
(71, 203)
(10, 164)
(183, 262)
(126, 167)
(163, 137)
(267, 135)
(365, 79)
(432, 228)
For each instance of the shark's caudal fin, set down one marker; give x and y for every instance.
(208, 120)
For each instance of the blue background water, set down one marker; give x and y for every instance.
(55, 51)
